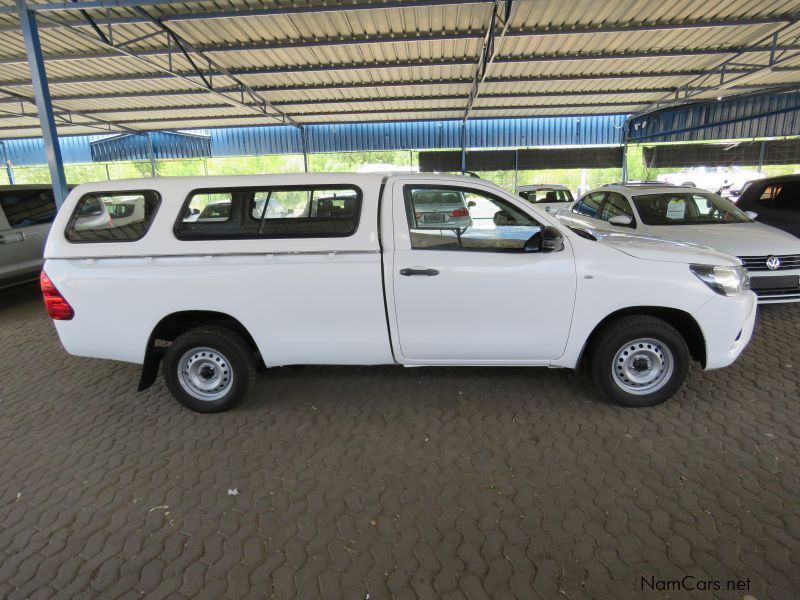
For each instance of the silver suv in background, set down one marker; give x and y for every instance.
(26, 212)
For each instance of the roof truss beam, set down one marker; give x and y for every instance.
(204, 69)
(380, 39)
(163, 73)
(738, 69)
(252, 12)
(64, 117)
(434, 82)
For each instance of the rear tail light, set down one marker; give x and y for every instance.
(460, 212)
(57, 306)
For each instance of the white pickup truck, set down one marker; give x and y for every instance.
(353, 271)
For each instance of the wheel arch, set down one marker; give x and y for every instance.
(681, 320)
(178, 323)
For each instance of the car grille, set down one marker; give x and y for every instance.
(759, 263)
(780, 294)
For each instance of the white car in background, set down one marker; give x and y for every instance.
(685, 214)
(550, 197)
(726, 180)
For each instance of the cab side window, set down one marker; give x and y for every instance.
(590, 205)
(452, 218)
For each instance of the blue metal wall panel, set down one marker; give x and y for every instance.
(339, 137)
(30, 151)
(166, 144)
(244, 141)
(765, 115)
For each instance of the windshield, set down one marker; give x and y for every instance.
(684, 208)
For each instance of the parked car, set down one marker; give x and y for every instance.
(381, 284)
(438, 208)
(550, 197)
(26, 212)
(776, 201)
(771, 256)
(727, 180)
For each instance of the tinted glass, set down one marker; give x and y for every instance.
(24, 208)
(477, 221)
(687, 209)
(112, 217)
(590, 205)
(781, 196)
(616, 205)
(270, 212)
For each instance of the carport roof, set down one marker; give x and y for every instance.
(119, 64)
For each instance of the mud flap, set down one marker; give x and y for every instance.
(150, 367)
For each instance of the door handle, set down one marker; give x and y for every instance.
(427, 272)
(12, 238)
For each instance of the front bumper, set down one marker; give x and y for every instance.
(727, 326)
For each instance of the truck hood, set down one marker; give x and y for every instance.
(739, 239)
(648, 247)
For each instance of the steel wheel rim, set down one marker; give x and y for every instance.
(205, 374)
(642, 366)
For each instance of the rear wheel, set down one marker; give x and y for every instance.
(209, 369)
(639, 361)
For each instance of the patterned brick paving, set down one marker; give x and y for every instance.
(393, 483)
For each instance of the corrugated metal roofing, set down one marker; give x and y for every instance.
(382, 60)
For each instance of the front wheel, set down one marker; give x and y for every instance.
(639, 361)
(209, 369)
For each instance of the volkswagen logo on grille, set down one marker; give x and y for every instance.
(773, 262)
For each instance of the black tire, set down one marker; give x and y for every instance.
(688, 184)
(229, 350)
(612, 340)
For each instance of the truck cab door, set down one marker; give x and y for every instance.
(479, 292)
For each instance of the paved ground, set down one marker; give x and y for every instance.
(393, 483)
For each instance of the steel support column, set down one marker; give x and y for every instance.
(33, 47)
(151, 155)
(304, 141)
(625, 127)
(7, 162)
(761, 153)
(463, 146)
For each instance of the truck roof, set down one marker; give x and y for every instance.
(201, 181)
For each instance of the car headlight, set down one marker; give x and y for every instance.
(727, 281)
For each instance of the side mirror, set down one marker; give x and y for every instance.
(534, 243)
(552, 240)
(622, 220)
(471, 203)
(751, 214)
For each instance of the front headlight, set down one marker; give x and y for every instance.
(727, 281)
